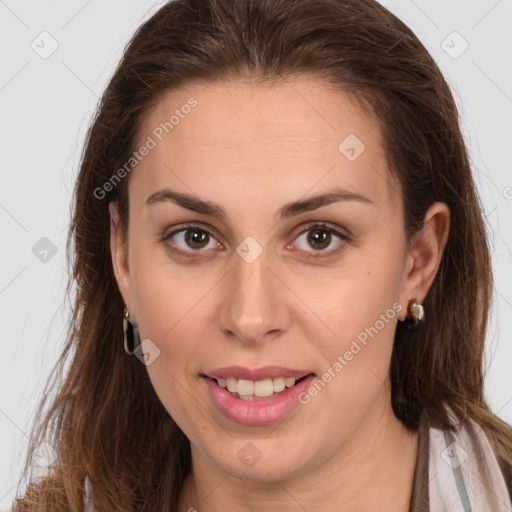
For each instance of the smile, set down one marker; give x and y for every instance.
(256, 401)
(256, 390)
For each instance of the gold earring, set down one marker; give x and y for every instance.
(415, 314)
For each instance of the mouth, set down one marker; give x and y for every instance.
(251, 390)
(257, 397)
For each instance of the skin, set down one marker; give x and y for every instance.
(251, 148)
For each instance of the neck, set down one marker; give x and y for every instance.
(374, 470)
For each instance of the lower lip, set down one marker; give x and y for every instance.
(259, 412)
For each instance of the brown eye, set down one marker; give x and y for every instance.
(319, 239)
(189, 241)
(196, 238)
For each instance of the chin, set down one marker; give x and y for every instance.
(251, 464)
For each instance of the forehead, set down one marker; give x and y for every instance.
(293, 136)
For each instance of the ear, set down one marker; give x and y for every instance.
(118, 250)
(424, 257)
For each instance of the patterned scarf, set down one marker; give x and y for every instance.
(457, 471)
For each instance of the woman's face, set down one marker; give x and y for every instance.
(229, 275)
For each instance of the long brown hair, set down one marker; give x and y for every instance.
(104, 419)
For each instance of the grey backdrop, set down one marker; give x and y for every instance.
(56, 58)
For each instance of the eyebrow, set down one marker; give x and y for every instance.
(197, 205)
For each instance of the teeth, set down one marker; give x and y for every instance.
(250, 398)
(232, 384)
(262, 388)
(279, 384)
(252, 390)
(245, 387)
(289, 382)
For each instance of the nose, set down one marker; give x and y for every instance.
(253, 308)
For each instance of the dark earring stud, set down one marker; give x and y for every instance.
(131, 334)
(415, 314)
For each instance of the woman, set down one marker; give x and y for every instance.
(282, 276)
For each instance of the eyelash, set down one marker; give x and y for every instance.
(324, 226)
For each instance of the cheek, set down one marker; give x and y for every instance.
(362, 301)
(361, 309)
(362, 345)
(354, 376)
(173, 317)
(167, 294)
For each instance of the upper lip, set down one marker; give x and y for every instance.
(265, 372)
